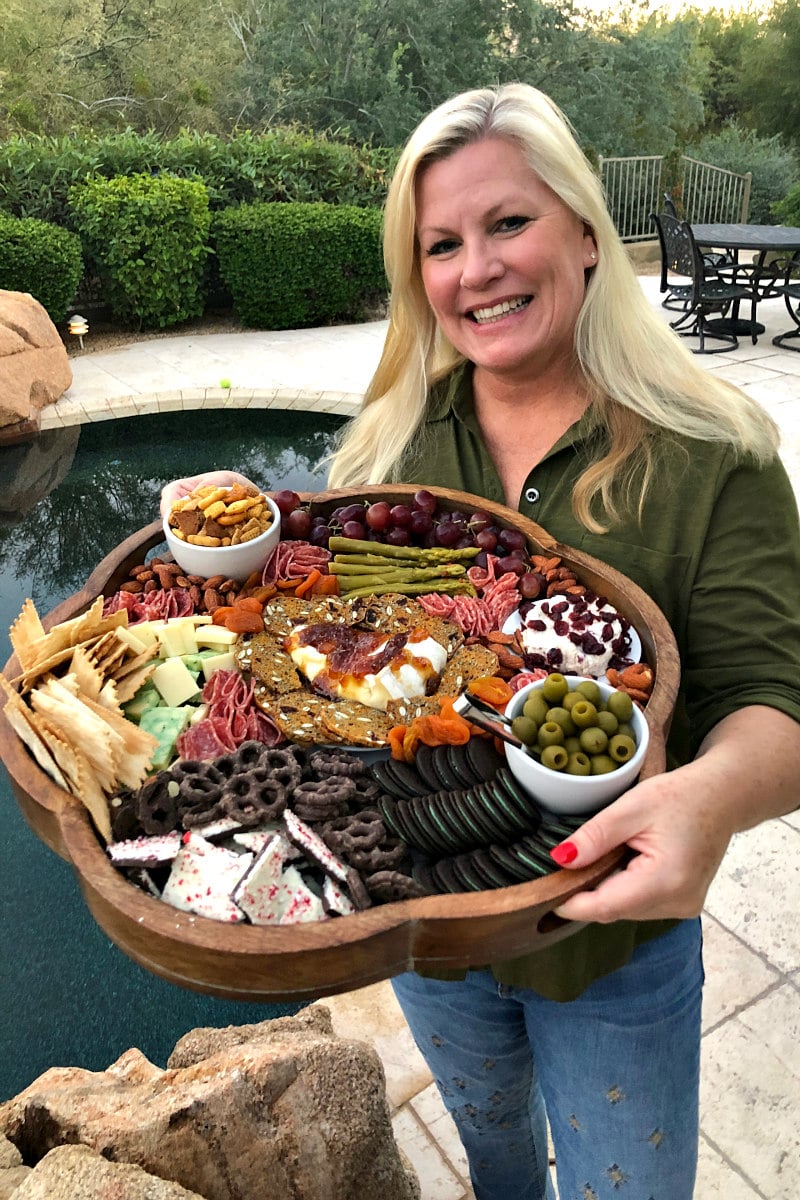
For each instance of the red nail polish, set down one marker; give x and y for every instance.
(567, 852)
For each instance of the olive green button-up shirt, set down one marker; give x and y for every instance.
(717, 548)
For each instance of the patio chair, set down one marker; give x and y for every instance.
(678, 295)
(790, 289)
(704, 292)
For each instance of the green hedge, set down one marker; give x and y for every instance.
(36, 172)
(42, 259)
(147, 239)
(292, 265)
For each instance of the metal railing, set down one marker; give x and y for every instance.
(633, 189)
(711, 194)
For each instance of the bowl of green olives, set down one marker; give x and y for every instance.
(584, 742)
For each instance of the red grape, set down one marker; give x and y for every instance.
(320, 535)
(425, 501)
(398, 537)
(377, 516)
(421, 522)
(286, 501)
(512, 539)
(479, 521)
(352, 512)
(353, 530)
(512, 563)
(400, 516)
(298, 523)
(487, 540)
(532, 585)
(447, 534)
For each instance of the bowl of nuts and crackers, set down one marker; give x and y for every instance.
(267, 793)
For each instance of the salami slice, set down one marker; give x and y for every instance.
(200, 742)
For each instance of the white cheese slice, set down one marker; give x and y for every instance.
(172, 641)
(137, 644)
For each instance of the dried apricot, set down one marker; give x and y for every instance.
(242, 621)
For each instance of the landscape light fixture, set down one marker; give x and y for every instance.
(78, 326)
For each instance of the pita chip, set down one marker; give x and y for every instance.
(26, 631)
(79, 727)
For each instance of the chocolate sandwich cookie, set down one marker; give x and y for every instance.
(457, 761)
(483, 758)
(476, 807)
(422, 875)
(404, 777)
(509, 863)
(444, 876)
(532, 847)
(461, 812)
(441, 766)
(531, 860)
(460, 835)
(487, 869)
(417, 834)
(387, 807)
(522, 820)
(507, 829)
(423, 761)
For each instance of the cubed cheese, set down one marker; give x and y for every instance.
(216, 635)
(137, 644)
(175, 683)
(172, 640)
(218, 662)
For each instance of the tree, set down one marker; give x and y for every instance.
(770, 97)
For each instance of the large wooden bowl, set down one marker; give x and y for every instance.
(310, 960)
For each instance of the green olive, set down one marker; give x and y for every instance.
(570, 699)
(550, 734)
(591, 691)
(621, 705)
(603, 764)
(562, 718)
(572, 745)
(608, 723)
(627, 730)
(554, 687)
(621, 748)
(584, 714)
(579, 764)
(593, 740)
(536, 708)
(554, 757)
(525, 729)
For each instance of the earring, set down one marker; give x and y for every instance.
(593, 255)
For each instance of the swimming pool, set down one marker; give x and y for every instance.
(69, 997)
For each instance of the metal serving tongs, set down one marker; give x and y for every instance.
(479, 713)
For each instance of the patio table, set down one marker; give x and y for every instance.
(763, 239)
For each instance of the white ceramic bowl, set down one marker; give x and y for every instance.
(561, 793)
(234, 562)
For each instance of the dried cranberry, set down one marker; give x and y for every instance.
(539, 626)
(607, 632)
(591, 645)
(561, 607)
(554, 657)
(561, 628)
(576, 639)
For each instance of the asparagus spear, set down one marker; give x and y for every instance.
(434, 554)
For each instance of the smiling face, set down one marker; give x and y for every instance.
(502, 259)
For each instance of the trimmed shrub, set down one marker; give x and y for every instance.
(147, 239)
(42, 259)
(37, 171)
(787, 210)
(292, 265)
(773, 165)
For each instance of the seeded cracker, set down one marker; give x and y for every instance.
(468, 663)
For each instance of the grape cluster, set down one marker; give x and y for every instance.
(419, 522)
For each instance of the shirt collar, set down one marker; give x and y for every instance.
(453, 395)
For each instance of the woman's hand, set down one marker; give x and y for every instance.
(680, 823)
(175, 491)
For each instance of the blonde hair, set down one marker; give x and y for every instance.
(640, 377)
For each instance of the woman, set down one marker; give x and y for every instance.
(522, 363)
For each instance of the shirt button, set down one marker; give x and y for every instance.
(531, 495)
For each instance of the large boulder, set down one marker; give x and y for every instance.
(77, 1173)
(276, 1110)
(34, 365)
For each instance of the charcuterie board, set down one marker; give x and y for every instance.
(322, 958)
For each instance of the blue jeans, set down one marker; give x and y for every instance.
(615, 1071)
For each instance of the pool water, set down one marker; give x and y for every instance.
(69, 997)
